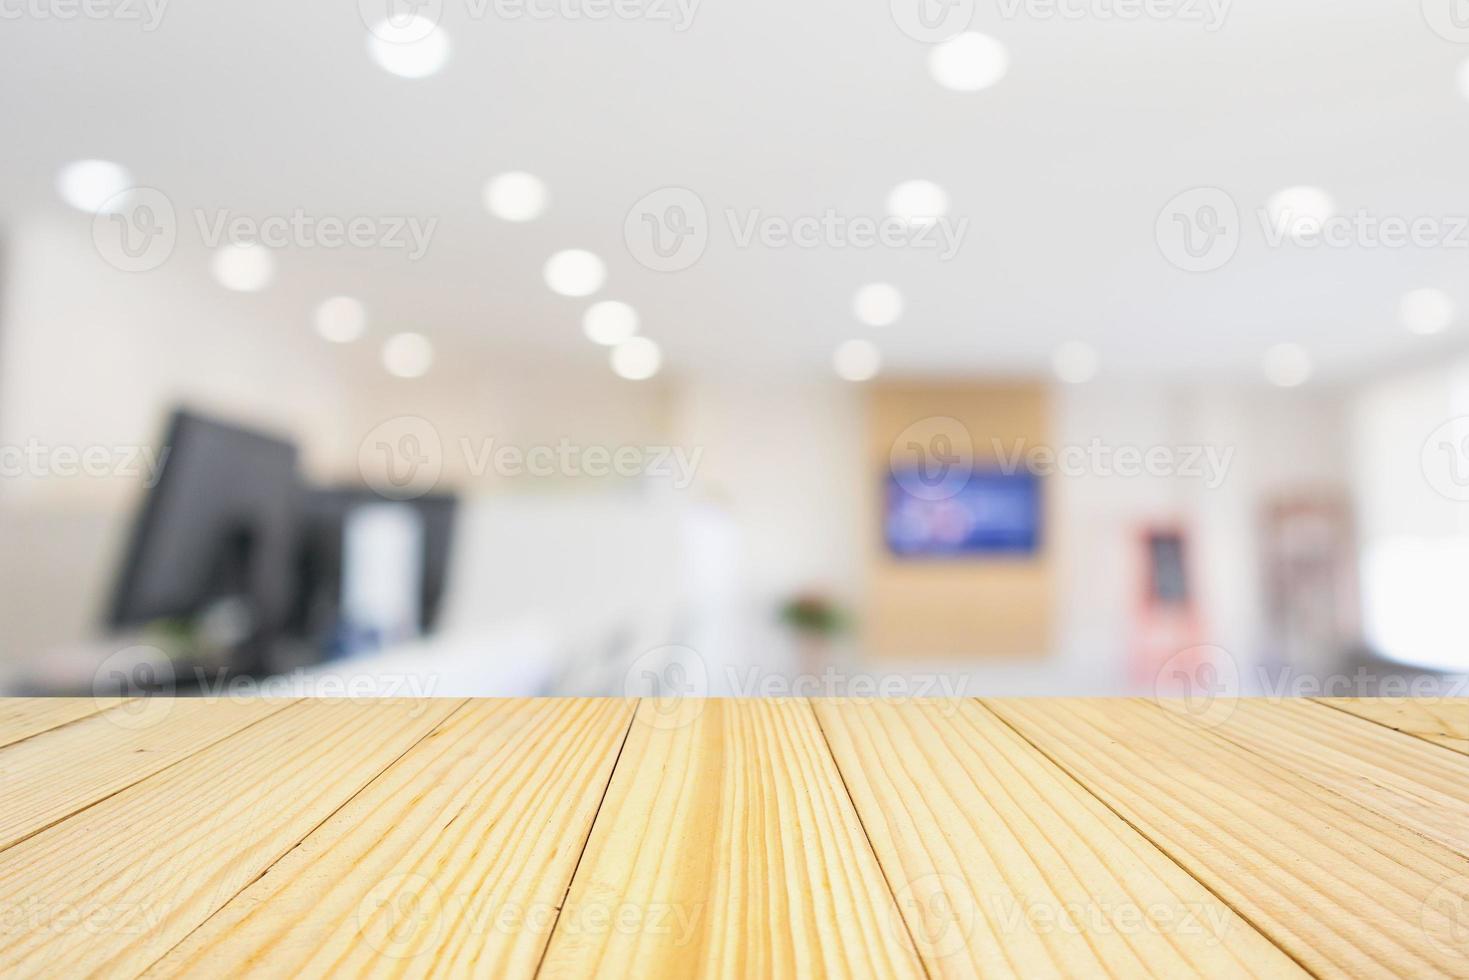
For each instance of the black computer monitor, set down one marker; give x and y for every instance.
(316, 610)
(221, 523)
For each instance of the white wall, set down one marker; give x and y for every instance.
(781, 473)
(1410, 456)
(93, 356)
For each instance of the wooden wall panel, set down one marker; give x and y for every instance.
(952, 608)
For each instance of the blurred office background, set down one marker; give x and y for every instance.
(1207, 284)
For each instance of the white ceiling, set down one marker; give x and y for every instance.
(791, 108)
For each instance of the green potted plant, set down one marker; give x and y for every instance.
(815, 619)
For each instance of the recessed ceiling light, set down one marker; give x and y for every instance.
(1075, 362)
(968, 62)
(918, 202)
(341, 319)
(246, 268)
(609, 322)
(408, 355)
(1426, 311)
(1287, 365)
(1300, 211)
(878, 304)
(410, 47)
(636, 359)
(91, 185)
(516, 196)
(575, 272)
(857, 360)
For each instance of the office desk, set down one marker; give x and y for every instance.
(786, 837)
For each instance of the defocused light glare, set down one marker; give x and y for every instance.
(88, 185)
(857, 360)
(609, 322)
(516, 196)
(1411, 590)
(636, 359)
(1075, 362)
(408, 355)
(244, 268)
(968, 62)
(414, 47)
(1426, 311)
(918, 202)
(1300, 211)
(878, 304)
(1288, 365)
(575, 272)
(341, 319)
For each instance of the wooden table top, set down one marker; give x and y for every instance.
(569, 837)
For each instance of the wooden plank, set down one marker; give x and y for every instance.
(23, 717)
(1005, 866)
(1411, 782)
(52, 775)
(453, 861)
(727, 847)
(1443, 721)
(1340, 888)
(113, 888)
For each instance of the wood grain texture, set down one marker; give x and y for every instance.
(691, 838)
(113, 888)
(50, 776)
(727, 847)
(453, 862)
(1443, 721)
(1412, 783)
(23, 717)
(1005, 866)
(1343, 890)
